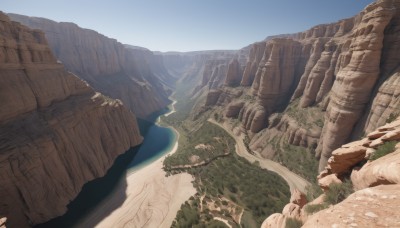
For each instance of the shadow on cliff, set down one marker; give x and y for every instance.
(113, 184)
(94, 192)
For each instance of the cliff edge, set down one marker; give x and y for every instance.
(56, 132)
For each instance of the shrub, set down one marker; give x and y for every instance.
(386, 148)
(313, 191)
(314, 208)
(293, 223)
(338, 192)
(392, 117)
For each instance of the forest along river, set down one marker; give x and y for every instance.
(143, 196)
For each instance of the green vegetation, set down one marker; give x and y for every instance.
(204, 144)
(314, 208)
(313, 191)
(296, 158)
(338, 192)
(382, 150)
(227, 187)
(306, 117)
(392, 117)
(293, 223)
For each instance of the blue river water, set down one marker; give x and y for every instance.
(157, 142)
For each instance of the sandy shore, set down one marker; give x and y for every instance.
(173, 108)
(152, 200)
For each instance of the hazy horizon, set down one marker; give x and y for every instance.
(181, 26)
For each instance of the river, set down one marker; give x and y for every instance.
(99, 199)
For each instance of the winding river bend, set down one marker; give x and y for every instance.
(135, 192)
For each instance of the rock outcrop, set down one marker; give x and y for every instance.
(234, 73)
(348, 70)
(347, 159)
(375, 181)
(291, 210)
(134, 75)
(370, 207)
(385, 170)
(56, 132)
(358, 74)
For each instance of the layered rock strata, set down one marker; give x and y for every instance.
(349, 70)
(134, 75)
(56, 132)
(376, 183)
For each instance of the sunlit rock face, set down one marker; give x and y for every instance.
(134, 75)
(348, 69)
(56, 132)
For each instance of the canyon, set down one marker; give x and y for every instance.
(57, 133)
(325, 99)
(318, 89)
(120, 71)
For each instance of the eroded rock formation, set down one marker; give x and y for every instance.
(56, 132)
(375, 181)
(134, 75)
(348, 71)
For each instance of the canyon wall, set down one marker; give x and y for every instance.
(56, 132)
(134, 75)
(344, 75)
(360, 186)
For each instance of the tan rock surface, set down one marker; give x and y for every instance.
(3, 222)
(356, 78)
(348, 68)
(371, 207)
(256, 54)
(276, 220)
(384, 170)
(325, 181)
(343, 159)
(234, 73)
(135, 76)
(56, 133)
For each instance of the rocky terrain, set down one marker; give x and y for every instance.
(316, 89)
(372, 165)
(134, 75)
(56, 132)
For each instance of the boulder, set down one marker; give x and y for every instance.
(343, 159)
(384, 170)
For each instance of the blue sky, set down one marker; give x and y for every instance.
(189, 25)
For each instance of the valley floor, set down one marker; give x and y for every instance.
(152, 199)
(293, 180)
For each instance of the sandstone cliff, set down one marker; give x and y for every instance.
(372, 165)
(134, 75)
(345, 74)
(56, 132)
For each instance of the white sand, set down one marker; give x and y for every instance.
(152, 200)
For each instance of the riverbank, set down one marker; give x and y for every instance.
(152, 199)
(294, 181)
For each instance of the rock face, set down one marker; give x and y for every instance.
(56, 132)
(376, 183)
(348, 70)
(234, 74)
(370, 207)
(134, 75)
(384, 170)
(291, 210)
(360, 68)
